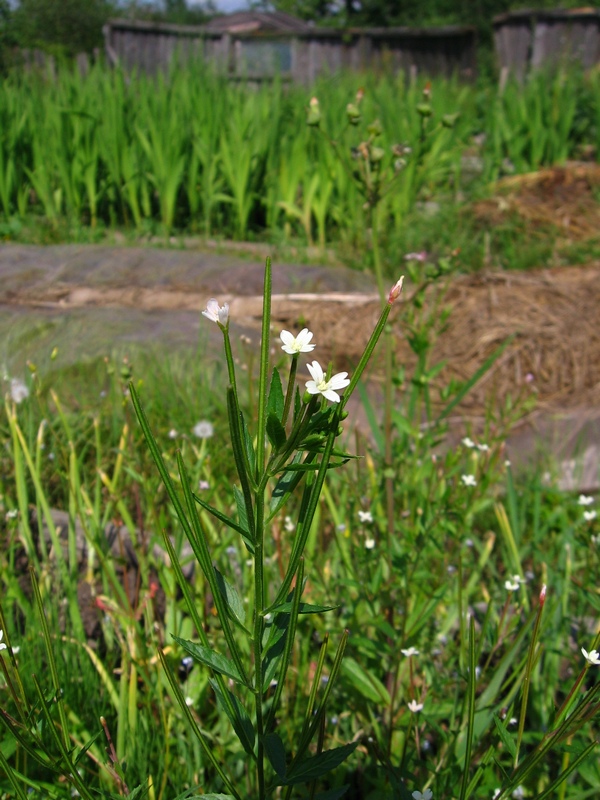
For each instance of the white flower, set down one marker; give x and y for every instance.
(507, 463)
(297, 344)
(395, 291)
(365, 516)
(519, 793)
(369, 544)
(426, 795)
(593, 657)
(203, 429)
(585, 500)
(2, 645)
(203, 485)
(12, 514)
(410, 651)
(468, 442)
(172, 433)
(319, 385)
(189, 701)
(483, 448)
(511, 586)
(288, 524)
(415, 707)
(216, 313)
(497, 793)
(18, 390)
(468, 480)
(589, 515)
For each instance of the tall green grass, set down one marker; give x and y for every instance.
(190, 151)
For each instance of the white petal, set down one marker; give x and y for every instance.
(331, 395)
(316, 371)
(223, 314)
(311, 387)
(339, 381)
(212, 310)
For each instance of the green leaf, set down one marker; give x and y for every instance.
(248, 444)
(276, 401)
(210, 658)
(366, 683)
(241, 509)
(317, 766)
(333, 794)
(275, 753)
(286, 485)
(232, 597)
(304, 608)
(220, 516)
(238, 716)
(507, 739)
(275, 431)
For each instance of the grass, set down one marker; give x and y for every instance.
(482, 655)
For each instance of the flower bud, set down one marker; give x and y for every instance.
(376, 154)
(375, 128)
(449, 120)
(424, 109)
(353, 114)
(314, 112)
(395, 290)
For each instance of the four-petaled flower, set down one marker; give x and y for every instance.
(585, 500)
(2, 645)
(203, 429)
(511, 586)
(590, 515)
(410, 651)
(426, 795)
(328, 388)
(593, 657)
(415, 707)
(468, 480)
(468, 442)
(297, 344)
(369, 544)
(216, 313)
(365, 516)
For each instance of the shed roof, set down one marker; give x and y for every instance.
(250, 21)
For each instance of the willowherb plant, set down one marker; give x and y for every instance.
(289, 453)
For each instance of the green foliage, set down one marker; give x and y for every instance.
(65, 26)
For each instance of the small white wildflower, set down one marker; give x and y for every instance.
(421, 256)
(511, 586)
(189, 701)
(297, 344)
(426, 795)
(13, 514)
(451, 569)
(590, 515)
(203, 429)
(497, 793)
(365, 516)
(18, 390)
(410, 651)
(513, 721)
(2, 645)
(595, 540)
(369, 544)
(288, 524)
(468, 480)
(415, 707)
(172, 433)
(203, 485)
(328, 388)
(483, 448)
(519, 793)
(585, 500)
(593, 657)
(507, 463)
(216, 313)
(468, 442)
(341, 527)
(469, 543)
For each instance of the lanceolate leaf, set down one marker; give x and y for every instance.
(238, 716)
(303, 608)
(276, 401)
(211, 659)
(275, 431)
(275, 753)
(366, 683)
(317, 766)
(243, 519)
(220, 516)
(232, 597)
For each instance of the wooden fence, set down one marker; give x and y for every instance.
(526, 40)
(298, 56)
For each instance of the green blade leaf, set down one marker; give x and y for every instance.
(238, 716)
(275, 431)
(276, 401)
(313, 768)
(507, 739)
(365, 683)
(221, 517)
(231, 597)
(243, 518)
(210, 658)
(275, 753)
(303, 608)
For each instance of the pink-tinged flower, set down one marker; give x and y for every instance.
(297, 344)
(216, 313)
(421, 256)
(395, 290)
(328, 388)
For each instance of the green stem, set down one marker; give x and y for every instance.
(290, 389)
(258, 630)
(264, 367)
